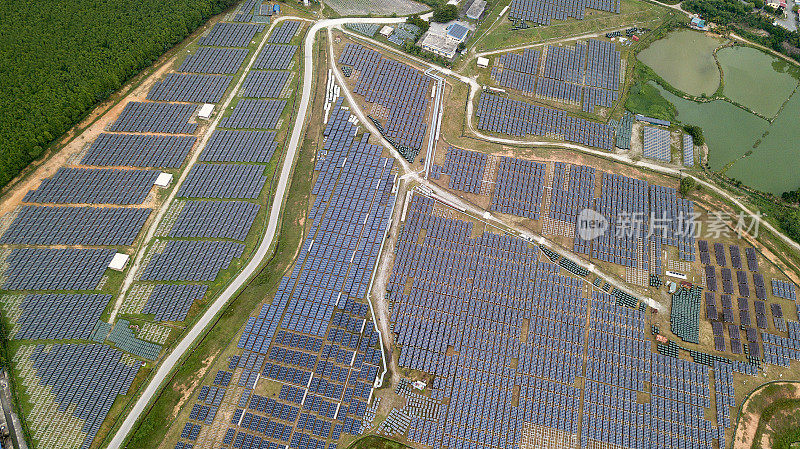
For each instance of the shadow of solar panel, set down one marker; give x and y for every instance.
(96, 371)
(275, 57)
(95, 226)
(255, 114)
(215, 219)
(94, 186)
(184, 260)
(190, 88)
(231, 35)
(169, 302)
(134, 150)
(285, 32)
(214, 60)
(223, 181)
(264, 84)
(59, 316)
(144, 117)
(239, 146)
(56, 269)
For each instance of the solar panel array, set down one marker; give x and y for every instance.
(657, 143)
(685, 314)
(570, 195)
(231, 34)
(264, 84)
(461, 320)
(223, 181)
(254, 114)
(191, 260)
(225, 61)
(55, 269)
(147, 117)
(215, 219)
(519, 187)
(622, 200)
(275, 57)
(517, 118)
(58, 316)
(466, 169)
(95, 371)
(543, 11)
(400, 90)
(517, 71)
(239, 146)
(136, 150)
(783, 289)
(94, 226)
(171, 302)
(94, 186)
(190, 88)
(285, 32)
(688, 151)
(333, 370)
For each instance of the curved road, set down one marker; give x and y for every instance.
(200, 327)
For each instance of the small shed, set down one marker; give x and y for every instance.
(119, 261)
(483, 62)
(164, 179)
(205, 111)
(386, 31)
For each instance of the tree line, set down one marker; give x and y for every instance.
(742, 17)
(59, 59)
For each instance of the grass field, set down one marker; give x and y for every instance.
(771, 417)
(632, 12)
(375, 442)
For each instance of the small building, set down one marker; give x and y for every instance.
(419, 385)
(205, 111)
(163, 180)
(119, 261)
(483, 62)
(475, 10)
(443, 39)
(698, 23)
(386, 31)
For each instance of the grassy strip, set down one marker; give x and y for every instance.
(376, 442)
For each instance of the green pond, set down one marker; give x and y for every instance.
(685, 59)
(755, 79)
(730, 132)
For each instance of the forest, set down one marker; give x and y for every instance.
(59, 59)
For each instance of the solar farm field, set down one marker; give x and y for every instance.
(74, 310)
(631, 13)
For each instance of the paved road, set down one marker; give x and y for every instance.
(263, 249)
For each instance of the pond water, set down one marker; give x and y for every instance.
(755, 79)
(730, 132)
(685, 59)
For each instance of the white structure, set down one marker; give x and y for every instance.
(164, 179)
(119, 261)
(476, 9)
(419, 385)
(483, 62)
(205, 111)
(443, 39)
(386, 31)
(676, 274)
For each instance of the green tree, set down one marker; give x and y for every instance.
(445, 13)
(687, 184)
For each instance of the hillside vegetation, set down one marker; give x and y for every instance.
(59, 59)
